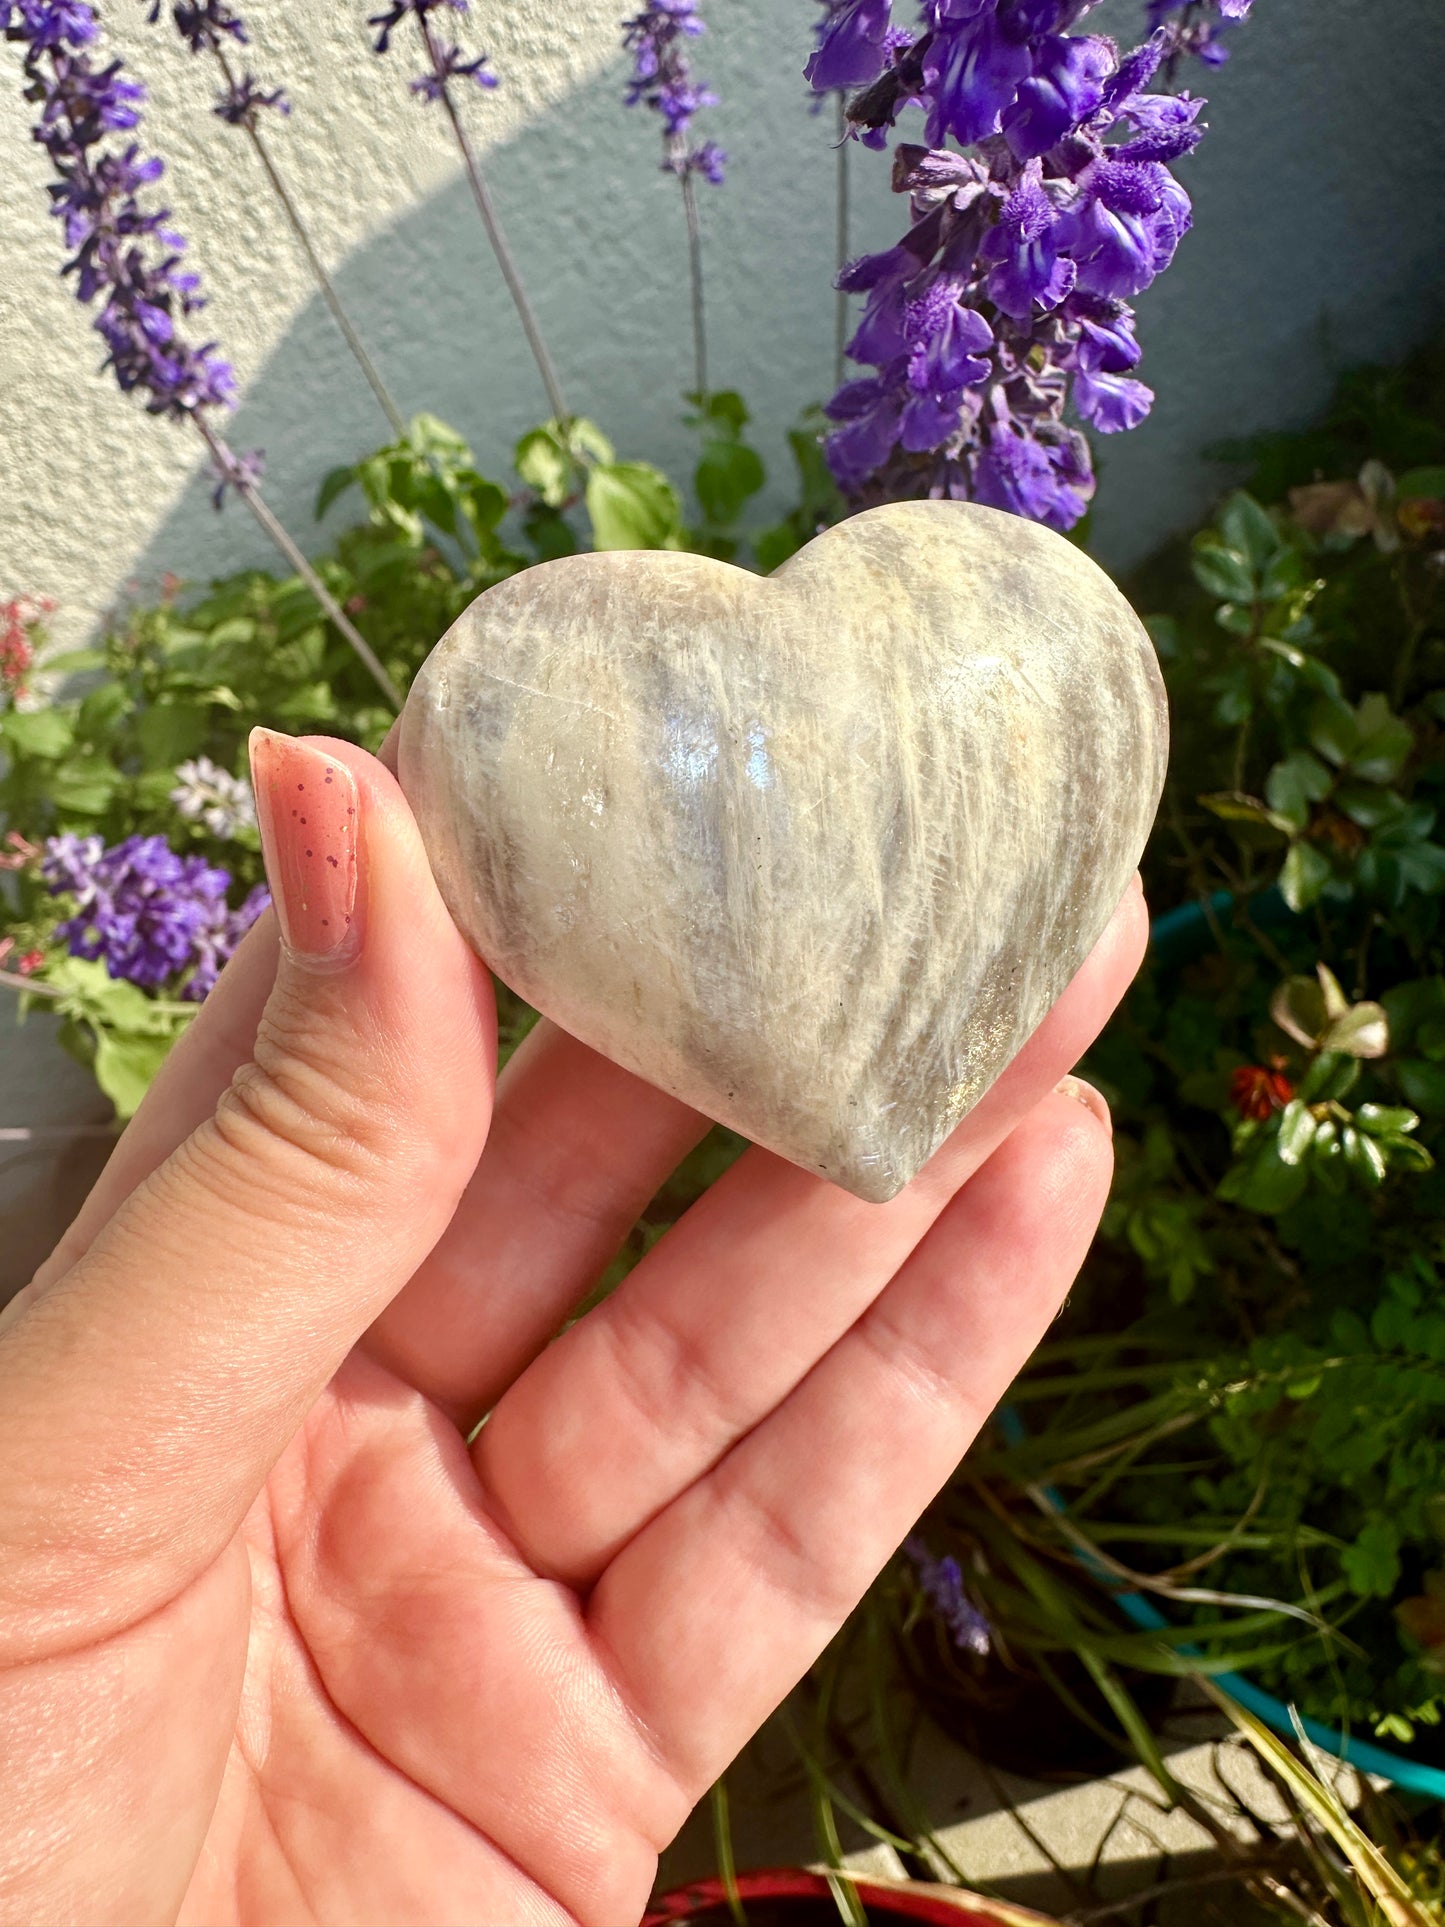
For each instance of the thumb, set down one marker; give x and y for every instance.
(150, 1388)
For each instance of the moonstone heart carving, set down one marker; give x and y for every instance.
(816, 852)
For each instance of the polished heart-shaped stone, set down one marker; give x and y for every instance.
(814, 852)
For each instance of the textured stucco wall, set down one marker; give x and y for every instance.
(1319, 240)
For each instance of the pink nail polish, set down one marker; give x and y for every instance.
(307, 805)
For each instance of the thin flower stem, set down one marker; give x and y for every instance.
(227, 463)
(694, 263)
(506, 260)
(13, 981)
(322, 278)
(840, 315)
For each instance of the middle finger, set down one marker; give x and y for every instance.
(723, 1318)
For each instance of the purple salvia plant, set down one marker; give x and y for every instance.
(445, 63)
(662, 81)
(1007, 303)
(216, 29)
(152, 916)
(126, 258)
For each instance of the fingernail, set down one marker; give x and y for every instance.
(307, 807)
(1085, 1094)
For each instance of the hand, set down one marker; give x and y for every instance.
(276, 1645)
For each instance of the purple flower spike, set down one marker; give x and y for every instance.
(453, 67)
(662, 80)
(206, 26)
(125, 258)
(448, 61)
(146, 912)
(1065, 87)
(1023, 244)
(942, 1584)
(973, 70)
(1112, 403)
(239, 472)
(1192, 31)
(854, 38)
(1006, 303)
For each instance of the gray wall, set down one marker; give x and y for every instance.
(1319, 241)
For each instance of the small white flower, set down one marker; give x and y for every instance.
(205, 793)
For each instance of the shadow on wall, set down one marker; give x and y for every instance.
(1315, 247)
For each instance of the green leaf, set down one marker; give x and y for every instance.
(1372, 1563)
(1311, 670)
(430, 435)
(1306, 872)
(1368, 804)
(1298, 1007)
(168, 733)
(1385, 1120)
(1384, 744)
(1331, 1077)
(587, 439)
(772, 547)
(1423, 1085)
(1264, 1182)
(1248, 531)
(125, 1065)
(45, 734)
(549, 533)
(1221, 572)
(543, 464)
(1363, 1156)
(1231, 806)
(74, 662)
(1333, 730)
(1418, 484)
(334, 483)
(1416, 1010)
(484, 503)
(1291, 786)
(632, 506)
(85, 785)
(1164, 634)
(1297, 1126)
(724, 408)
(1236, 617)
(727, 474)
(1362, 1031)
(1409, 1155)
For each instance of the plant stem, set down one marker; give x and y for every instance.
(506, 261)
(13, 981)
(313, 259)
(840, 316)
(227, 464)
(694, 264)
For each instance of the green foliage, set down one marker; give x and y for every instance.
(729, 472)
(1277, 1228)
(189, 677)
(819, 503)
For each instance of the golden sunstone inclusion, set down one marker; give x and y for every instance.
(814, 852)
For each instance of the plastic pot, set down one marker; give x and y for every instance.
(795, 1897)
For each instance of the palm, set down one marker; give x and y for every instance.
(427, 1681)
(394, 1634)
